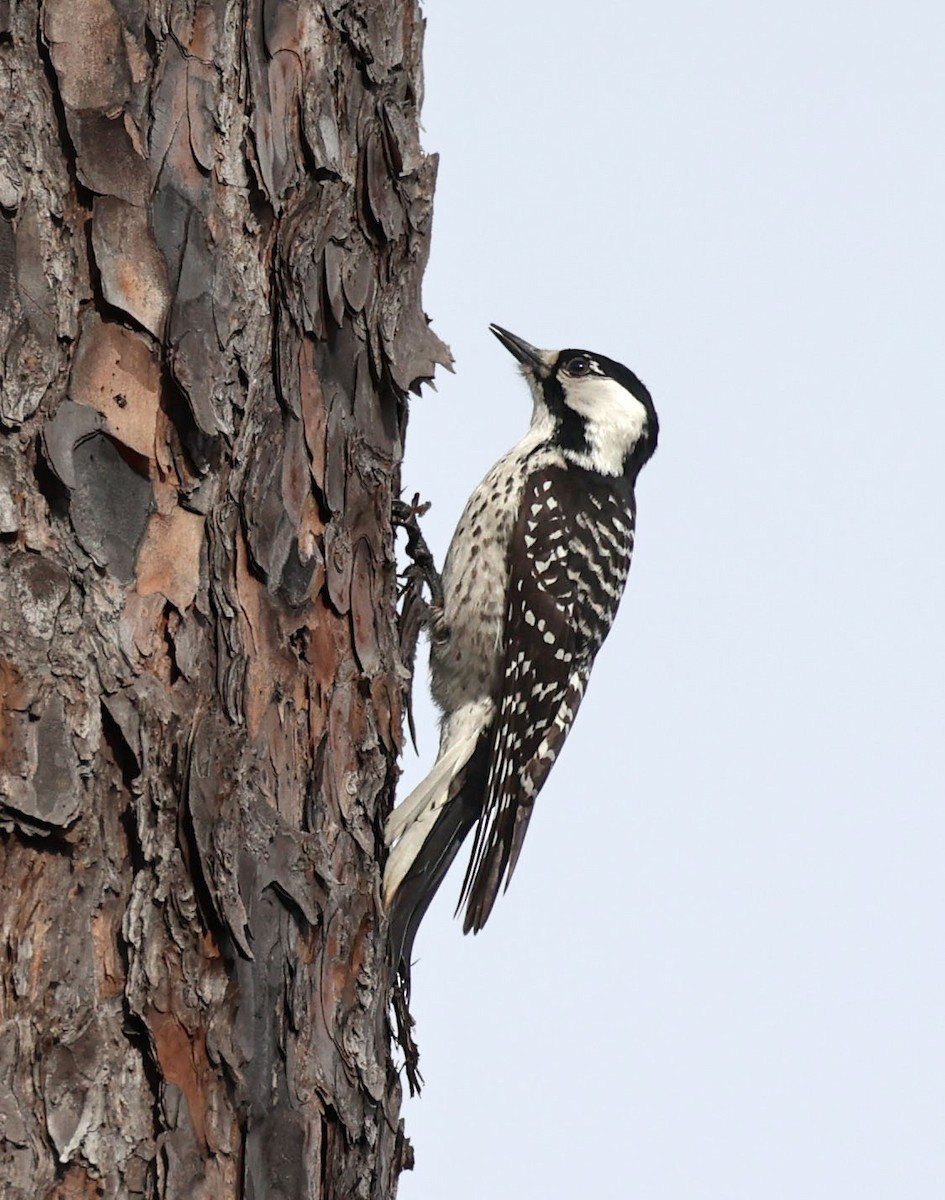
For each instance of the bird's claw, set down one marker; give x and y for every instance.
(416, 613)
(423, 568)
(435, 622)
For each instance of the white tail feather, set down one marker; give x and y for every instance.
(403, 854)
(411, 821)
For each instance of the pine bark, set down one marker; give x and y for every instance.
(214, 219)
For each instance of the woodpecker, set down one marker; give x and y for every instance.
(530, 587)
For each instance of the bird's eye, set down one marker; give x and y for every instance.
(578, 365)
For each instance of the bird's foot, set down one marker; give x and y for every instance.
(422, 567)
(416, 612)
(436, 625)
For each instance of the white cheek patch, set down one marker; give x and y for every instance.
(615, 420)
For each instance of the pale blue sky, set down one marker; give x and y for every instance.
(719, 973)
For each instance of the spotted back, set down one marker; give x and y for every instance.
(570, 554)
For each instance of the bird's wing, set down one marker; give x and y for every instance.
(570, 554)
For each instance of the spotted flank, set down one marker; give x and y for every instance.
(570, 555)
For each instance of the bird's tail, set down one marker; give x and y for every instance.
(427, 830)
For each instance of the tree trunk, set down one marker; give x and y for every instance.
(214, 219)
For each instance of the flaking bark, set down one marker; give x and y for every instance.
(214, 219)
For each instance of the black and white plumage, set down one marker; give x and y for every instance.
(531, 584)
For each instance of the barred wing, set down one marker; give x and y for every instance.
(570, 555)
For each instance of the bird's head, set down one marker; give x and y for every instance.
(601, 414)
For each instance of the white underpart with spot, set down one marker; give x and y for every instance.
(476, 576)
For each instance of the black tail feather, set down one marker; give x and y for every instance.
(497, 862)
(426, 873)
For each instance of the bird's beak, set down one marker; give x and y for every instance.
(528, 356)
